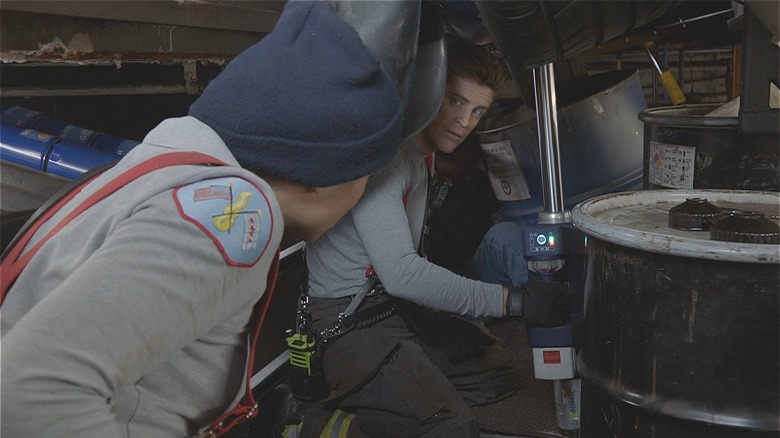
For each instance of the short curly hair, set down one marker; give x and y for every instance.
(475, 62)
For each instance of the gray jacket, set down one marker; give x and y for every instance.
(383, 231)
(132, 320)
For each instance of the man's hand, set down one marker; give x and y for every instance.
(539, 303)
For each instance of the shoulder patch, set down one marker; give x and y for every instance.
(233, 212)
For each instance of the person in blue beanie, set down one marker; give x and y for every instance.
(402, 356)
(132, 319)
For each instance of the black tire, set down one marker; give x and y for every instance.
(531, 33)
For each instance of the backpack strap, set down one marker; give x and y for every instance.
(246, 409)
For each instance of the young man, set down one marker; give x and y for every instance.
(132, 320)
(384, 380)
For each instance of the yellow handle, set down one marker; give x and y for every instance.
(672, 88)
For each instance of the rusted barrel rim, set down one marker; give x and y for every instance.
(590, 214)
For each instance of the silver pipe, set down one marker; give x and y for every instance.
(549, 148)
(292, 249)
(274, 366)
(655, 63)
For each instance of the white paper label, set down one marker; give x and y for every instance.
(671, 165)
(506, 176)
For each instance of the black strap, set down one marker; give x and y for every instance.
(61, 193)
(424, 231)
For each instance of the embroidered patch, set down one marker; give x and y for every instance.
(233, 212)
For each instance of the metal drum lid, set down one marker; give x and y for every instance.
(640, 219)
(695, 214)
(746, 226)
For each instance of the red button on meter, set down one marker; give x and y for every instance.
(551, 357)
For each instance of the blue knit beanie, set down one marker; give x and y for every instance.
(308, 103)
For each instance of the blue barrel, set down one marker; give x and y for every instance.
(600, 139)
(25, 146)
(22, 117)
(19, 117)
(71, 159)
(66, 131)
(118, 145)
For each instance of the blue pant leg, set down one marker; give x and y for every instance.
(499, 257)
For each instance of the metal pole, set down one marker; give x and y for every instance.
(552, 189)
(549, 149)
(666, 62)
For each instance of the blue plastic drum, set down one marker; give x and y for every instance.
(118, 145)
(66, 131)
(71, 160)
(19, 117)
(600, 138)
(25, 146)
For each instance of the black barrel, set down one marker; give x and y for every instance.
(687, 149)
(681, 332)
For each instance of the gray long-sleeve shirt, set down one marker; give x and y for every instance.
(382, 231)
(132, 320)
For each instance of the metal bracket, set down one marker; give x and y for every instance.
(545, 266)
(191, 78)
(760, 69)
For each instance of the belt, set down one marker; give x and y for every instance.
(360, 319)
